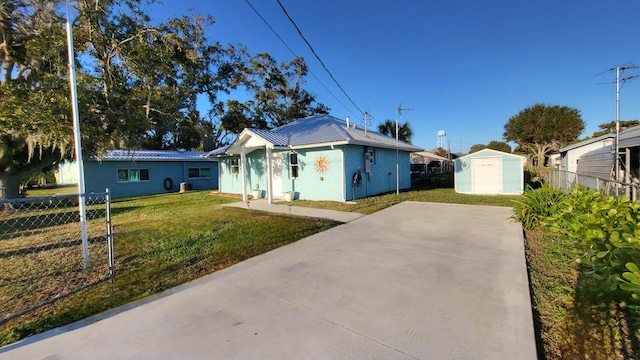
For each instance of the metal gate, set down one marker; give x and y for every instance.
(41, 250)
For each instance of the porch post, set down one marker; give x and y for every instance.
(243, 172)
(269, 176)
(627, 171)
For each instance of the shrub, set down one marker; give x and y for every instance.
(537, 205)
(630, 283)
(604, 231)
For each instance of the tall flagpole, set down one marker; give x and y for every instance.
(78, 144)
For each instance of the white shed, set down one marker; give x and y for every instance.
(490, 172)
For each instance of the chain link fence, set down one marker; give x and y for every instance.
(43, 255)
(566, 181)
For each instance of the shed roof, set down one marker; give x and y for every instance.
(317, 130)
(490, 152)
(152, 155)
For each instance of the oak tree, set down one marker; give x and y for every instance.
(542, 128)
(493, 144)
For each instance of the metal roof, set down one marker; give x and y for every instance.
(218, 151)
(630, 137)
(272, 137)
(320, 130)
(152, 155)
(428, 155)
(586, 142)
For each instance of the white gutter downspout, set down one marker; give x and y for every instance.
(243, 173)
(269, 176)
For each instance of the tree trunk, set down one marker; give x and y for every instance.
(10, 180)
(9, 187)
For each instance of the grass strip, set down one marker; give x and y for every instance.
(572, 320)
(373, 204)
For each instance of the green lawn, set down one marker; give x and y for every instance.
(52, 191)
(376, 203)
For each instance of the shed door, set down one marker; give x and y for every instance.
(487, 175)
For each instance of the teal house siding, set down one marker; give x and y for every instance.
(256, 173)
(381, 177)
(490, 172)
(320, 174)
(147, 174)
(329, 153)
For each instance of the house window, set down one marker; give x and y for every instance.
(199, 173)
(235, 167)
(293, 165)
(133, 175)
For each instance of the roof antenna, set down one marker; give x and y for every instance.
(398, 113)
(367, 118)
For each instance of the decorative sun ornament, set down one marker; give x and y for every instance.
(321, 164)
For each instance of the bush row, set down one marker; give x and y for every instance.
(604, 231)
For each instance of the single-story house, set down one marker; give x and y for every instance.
(600, 162)
(597, 163)
(145, 172)
(314, 158)
(567, 158)
(490, 172)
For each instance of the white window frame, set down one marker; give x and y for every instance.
(294, 167)
(235, 166)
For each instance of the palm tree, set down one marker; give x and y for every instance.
(405, 133)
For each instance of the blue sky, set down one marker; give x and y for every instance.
(464, 66)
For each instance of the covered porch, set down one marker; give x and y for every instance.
(265, 143)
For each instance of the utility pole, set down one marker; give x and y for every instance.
(78, 143)
(398, 113)
(619, 70)
(365, 120)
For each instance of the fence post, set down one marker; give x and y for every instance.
(107, 198)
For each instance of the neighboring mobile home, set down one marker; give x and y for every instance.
(145, 172)
(567, 158)
(315, 158)
(490, 172)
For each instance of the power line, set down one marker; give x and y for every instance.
(318, 57)
(296, 55)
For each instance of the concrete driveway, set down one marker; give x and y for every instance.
(414, 281)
